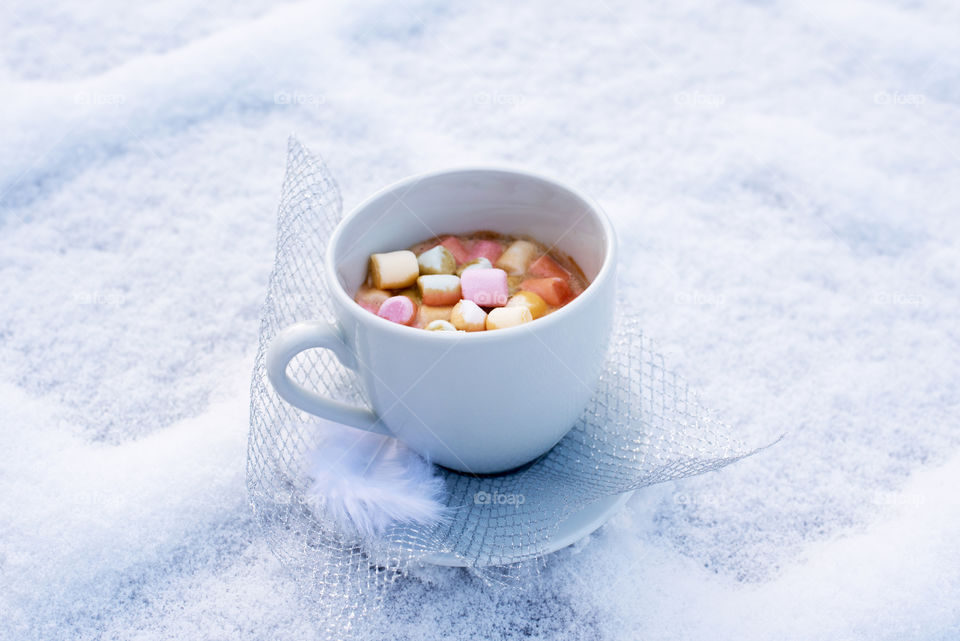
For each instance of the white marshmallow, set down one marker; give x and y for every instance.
(438, 260)
(517, 257)
(439, 289)
(394, 270)
(468, 316)
(441, 326)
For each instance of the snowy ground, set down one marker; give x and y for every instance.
(784, 181)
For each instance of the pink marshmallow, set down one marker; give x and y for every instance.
(398, 309)
(455, 247)
(489, 249)
(485, 287)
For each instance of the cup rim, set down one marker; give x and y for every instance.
(589, 293)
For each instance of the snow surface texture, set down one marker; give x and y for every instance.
(783, 180)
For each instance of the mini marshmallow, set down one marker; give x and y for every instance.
(413, 293)
(394, 270)
(430, 313)
(485, 287)
(489, 249)
(441, 326)
(504, 317)
(398, 309)
(555, 291)
(513, 284)
(517, 257)
(476, 263)
(533, 302)
(547, 267)
(370, 298)
(468, 316)
(437, 260)
(439, 289)
(453, 244)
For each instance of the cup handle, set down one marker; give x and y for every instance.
(298, 338)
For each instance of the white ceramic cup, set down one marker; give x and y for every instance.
(479, 402)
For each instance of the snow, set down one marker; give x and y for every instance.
(782, 178)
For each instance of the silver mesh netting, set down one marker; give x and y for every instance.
(642, 427)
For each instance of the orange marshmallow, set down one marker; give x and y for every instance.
(555, 291)
(547, 267)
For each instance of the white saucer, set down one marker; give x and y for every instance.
(579, 525)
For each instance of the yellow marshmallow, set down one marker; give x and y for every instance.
(503, 317)
(533, 302)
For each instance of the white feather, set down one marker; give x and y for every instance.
(365, 482)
